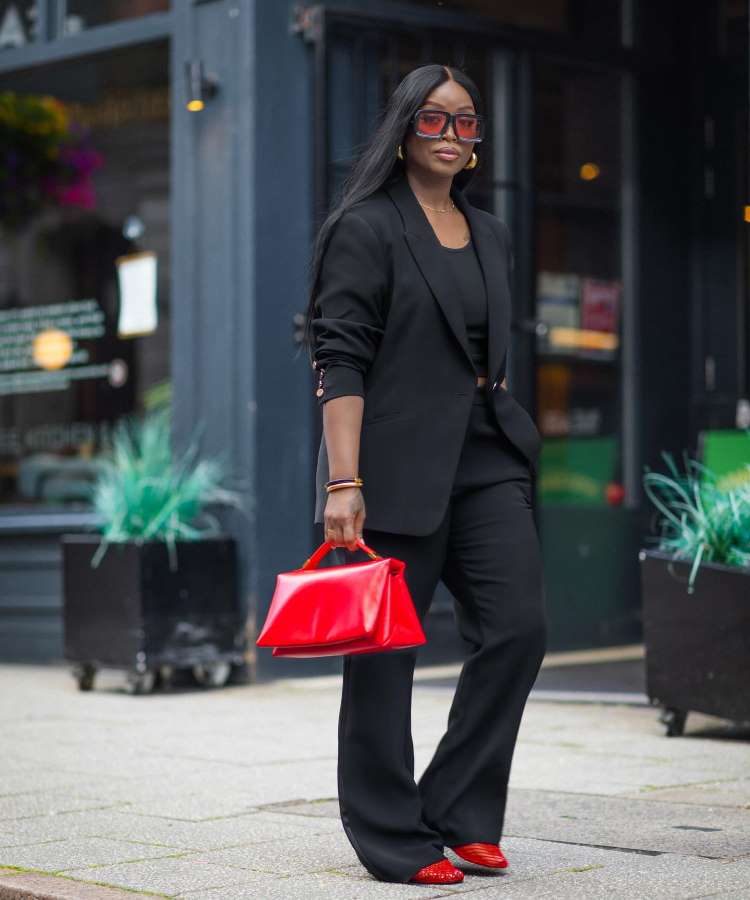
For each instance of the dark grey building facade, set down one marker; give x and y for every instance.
(617, 152)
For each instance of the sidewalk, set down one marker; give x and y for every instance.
(188, 794)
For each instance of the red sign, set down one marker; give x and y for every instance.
(600, 304)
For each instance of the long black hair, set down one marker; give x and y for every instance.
(377, 162)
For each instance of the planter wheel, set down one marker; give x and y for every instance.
(84, 674)
(674, 720)
(212, 674)
(164, 677)
(141, 682)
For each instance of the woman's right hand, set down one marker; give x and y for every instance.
(344, 517)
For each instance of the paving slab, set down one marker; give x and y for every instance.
(29, 781)
(56, 856)
(705, 831)
(166, 875)
(732, 792)
(308, 853)
(34, 886)
(185, 835)
(209, 796)
(47, 803)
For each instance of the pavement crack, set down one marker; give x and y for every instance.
(600, 846)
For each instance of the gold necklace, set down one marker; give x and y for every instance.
(434, 208)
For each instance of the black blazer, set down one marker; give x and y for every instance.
(389, 327)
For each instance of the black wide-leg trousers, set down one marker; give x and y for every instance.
(487, 553)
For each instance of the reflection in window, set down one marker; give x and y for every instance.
(84, 264)
(578, 288)
(18, 21)
(83, 14)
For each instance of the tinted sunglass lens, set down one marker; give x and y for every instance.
(467, 127)
(430, 122)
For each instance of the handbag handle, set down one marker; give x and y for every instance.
(312, 561)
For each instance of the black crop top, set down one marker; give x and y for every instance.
(468, 273)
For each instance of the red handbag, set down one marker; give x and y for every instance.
(359, 607)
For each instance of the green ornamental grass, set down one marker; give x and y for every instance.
(141, 494)
(699, 521)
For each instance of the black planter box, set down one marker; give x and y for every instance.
(697, 645)
(133, 612)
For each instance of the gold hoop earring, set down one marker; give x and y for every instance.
(400, 152)
(472, 162)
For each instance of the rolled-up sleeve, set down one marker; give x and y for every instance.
(348, 320)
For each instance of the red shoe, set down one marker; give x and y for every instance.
(482, 854)
(441, 872)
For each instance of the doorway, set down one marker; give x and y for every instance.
(553, 170)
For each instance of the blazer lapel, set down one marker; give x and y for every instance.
(432, 262)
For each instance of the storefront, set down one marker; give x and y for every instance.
(617, 154)
(125, 275)
(599, 160)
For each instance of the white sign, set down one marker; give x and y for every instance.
(136, 273)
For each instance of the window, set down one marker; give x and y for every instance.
(83, 14)
(84, 264)
(577, 173)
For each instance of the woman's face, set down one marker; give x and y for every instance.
(424, 153)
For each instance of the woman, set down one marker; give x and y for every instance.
(409, 324)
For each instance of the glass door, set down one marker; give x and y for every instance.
(579, 297)
(583, 369)
(552, 169)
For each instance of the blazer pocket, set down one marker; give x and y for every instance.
(530, 423)
(524, 410)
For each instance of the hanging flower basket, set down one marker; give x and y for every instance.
(46, 159)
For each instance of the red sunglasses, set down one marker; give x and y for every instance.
(433, 123)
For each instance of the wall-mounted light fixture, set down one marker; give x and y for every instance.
(201, 85)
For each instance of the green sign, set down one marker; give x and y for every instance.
(727, 453)
(576, 471)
